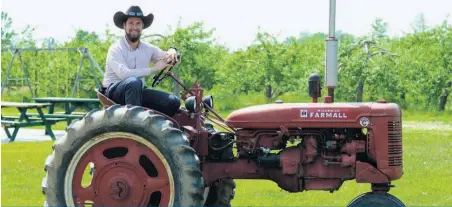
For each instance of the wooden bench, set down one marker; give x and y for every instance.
(62, 116)
(30, 117)
(34, 122)
(25, 120)
(70, 104)
(73, 113)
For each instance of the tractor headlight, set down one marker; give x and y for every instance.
(190, 103)
(208, 100)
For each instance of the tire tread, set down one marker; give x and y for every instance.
(152, 126)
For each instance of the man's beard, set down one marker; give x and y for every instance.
(133, 38)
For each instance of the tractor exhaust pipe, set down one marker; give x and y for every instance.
(331, 54)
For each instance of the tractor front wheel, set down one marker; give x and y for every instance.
(139, 159)
(221, 193)
(376, 200)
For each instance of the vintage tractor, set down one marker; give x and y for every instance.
(141, 157)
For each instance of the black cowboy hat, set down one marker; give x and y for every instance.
(134, 11)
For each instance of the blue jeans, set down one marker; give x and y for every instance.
(131, 91)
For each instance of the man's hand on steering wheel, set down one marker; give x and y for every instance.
(171, 57)
(162, 64)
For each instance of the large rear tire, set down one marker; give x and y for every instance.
(139, 159)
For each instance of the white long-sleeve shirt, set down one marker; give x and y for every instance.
(124, 62)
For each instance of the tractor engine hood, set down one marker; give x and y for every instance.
(332, 115)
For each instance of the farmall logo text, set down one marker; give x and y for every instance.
(323, 113)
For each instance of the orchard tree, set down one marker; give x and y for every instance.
(11, 38)
(419, 24)
(379, 29)
(200, 57)
(444, 33)
(7, 32)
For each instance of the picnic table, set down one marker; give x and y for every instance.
(70, 104)
(25, 120)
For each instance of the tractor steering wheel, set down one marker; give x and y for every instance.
(157, 78)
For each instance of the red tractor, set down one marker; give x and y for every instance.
(142, 157)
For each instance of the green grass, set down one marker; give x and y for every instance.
(22, 172)
(427, 164)
(427, 116)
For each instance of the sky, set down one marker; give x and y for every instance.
(235, 21)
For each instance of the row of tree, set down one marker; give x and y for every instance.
(414, 70)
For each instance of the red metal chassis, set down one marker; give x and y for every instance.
(303, 167)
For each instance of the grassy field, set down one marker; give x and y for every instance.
(427, 116)
(427, 164)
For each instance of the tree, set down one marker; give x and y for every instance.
(379, 28)
(418, 77)
(419, 24)
(445, 41)
(7, 32)
(201, 59)
(357, 65)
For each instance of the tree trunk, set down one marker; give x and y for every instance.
(443, 100)
(359, 91)
(360, 88)
(36, 84)
(268, 93)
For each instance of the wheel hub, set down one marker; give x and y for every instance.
(119, 188)
(121, 182)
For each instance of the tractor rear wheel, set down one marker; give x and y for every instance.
(376, 200)
(139, 160)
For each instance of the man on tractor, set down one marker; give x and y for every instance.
(128, 63)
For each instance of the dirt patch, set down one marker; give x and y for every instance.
(427, 125)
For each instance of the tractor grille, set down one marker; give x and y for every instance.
(395, 143)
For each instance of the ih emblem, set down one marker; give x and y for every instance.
(304, 113)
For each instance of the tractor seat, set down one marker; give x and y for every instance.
(104, 99)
